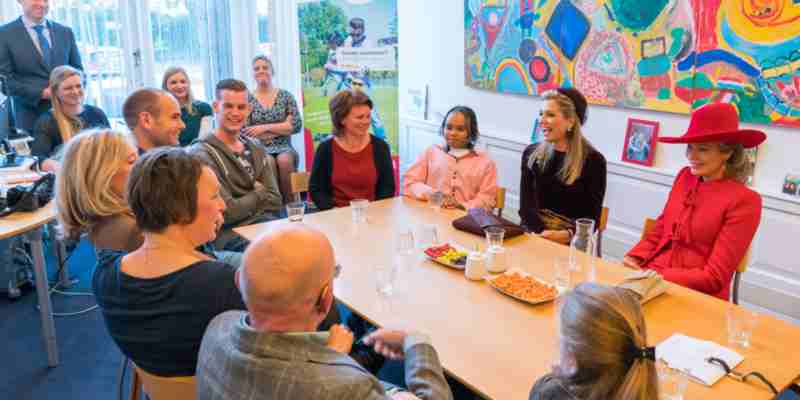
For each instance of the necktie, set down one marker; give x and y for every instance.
(43, 43)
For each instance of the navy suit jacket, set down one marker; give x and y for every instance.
(26, 73)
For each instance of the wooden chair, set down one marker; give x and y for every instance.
(299, 181)
(500, 200)
(650, 223)
(160, 388)
(601, 227)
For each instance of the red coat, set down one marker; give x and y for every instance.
(702, 234)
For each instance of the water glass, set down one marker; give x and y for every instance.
(497, 259)
(427, 236)
(494, 236)
(385, 276)
(359, 208)
(295, 211)
(561, 274)
(741, 323)
(672, 383)
(435, 200)
(404, 242)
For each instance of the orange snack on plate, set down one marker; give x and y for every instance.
(524, 287)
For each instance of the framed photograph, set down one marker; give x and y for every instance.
(791, 184)
(640, 142)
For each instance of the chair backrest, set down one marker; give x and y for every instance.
(299, 181)
(160, 388)
(500, 200)
(603, 222)
(742, 267)
(649, 224)
(396, 173)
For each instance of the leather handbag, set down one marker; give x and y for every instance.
(478, 219)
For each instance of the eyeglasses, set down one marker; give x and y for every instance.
(337, 270)
(741, 377)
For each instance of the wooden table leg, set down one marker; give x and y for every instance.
(43, 294)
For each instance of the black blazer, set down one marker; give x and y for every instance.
(320, 186)
(22, 64)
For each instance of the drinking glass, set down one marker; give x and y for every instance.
(404, 242)
(359, 208)
(583, 241)
(741, 323)
(671, 382)
(295, 211)
(561, 276)
(494, 236)
(497, 259)
(385, 276)
(427, 236)
(435, 200)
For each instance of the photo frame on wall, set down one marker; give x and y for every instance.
(791, 184)
(641, 137)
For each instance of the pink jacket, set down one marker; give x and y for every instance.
(471, 179)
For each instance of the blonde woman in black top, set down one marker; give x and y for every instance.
(564, 177)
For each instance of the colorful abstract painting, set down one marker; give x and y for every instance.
(664, 55)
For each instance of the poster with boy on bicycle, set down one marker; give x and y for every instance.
(349, 44)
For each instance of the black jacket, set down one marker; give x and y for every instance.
(320, 185)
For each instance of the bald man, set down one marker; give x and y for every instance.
(271, 351)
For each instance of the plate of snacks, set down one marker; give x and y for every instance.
(523, 286)
(448, 255)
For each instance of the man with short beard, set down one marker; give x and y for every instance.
(154, 118)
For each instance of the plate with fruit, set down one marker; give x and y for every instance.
(453, 256)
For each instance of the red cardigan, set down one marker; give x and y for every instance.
(702, 234)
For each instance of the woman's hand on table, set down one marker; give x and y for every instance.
(632, 262)
(340, 339)
(562, 236)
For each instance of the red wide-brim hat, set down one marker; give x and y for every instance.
(717, 122)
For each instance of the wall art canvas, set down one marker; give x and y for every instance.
(664, 55)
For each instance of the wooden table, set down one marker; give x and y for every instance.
(498, 346)
(30, 224)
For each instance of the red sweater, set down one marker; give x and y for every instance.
(354, 175)
(702, 234)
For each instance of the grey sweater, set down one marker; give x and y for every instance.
(244, 203)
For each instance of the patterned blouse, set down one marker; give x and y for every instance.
(284, 106)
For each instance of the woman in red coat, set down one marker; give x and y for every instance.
(711, 216)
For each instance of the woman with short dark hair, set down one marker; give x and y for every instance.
(352, 164)
(158, 299)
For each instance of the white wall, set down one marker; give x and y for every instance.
(432, 52)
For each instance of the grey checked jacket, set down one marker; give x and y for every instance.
(237, 362)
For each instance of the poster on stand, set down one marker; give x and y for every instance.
(349, 44)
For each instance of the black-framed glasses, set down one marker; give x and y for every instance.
(742, 377)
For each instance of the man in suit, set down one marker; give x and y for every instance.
(30, 47)
(272, 352)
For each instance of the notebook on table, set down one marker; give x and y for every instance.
(690, 355)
